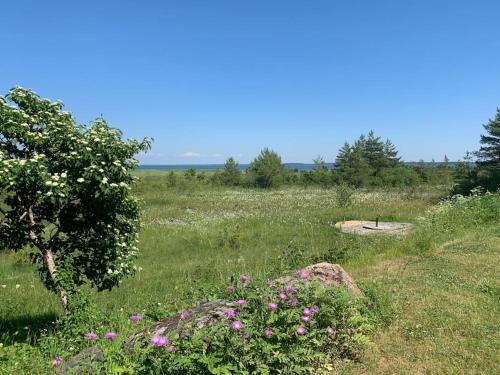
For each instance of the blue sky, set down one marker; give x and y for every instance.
(211, 79)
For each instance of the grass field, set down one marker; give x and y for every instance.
(438, 289)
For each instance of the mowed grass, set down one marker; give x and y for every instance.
(446, 306)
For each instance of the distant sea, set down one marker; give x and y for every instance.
(212, 167)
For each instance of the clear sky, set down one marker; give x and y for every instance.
(210, 79)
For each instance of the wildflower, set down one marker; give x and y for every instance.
(230, 289)
(241, 302)
(237, 325)
(160, 341)
(245, 335)
(268, 332)
(171, 349)
(4, 286)
(282, 297)
(293, 302)
(57, 360)
(305, 280)
(90, 336)
(185, 314)
(290, 289)
(245, 278)
(314, 309)
(272, 306)
(301, 330)
(301, 273)
(135, 318)
(111, 335)
(269, 282)
(329, 330)
(305, 318)
(306, 312)
(18, 286)
(231, 313)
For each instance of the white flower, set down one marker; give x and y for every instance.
(81, 179)
(18, 286)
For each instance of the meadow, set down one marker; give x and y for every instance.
(436, 291)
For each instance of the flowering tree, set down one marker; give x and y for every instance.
(65, 193)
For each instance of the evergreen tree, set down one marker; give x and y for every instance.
(373, 152)
(391, 154)
(343, 157)
(231, 175)
(489, 154)
(266, 170)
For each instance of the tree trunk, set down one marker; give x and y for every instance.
(48, 258)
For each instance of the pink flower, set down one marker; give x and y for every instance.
(272, 306)
(57, 360)
(301, 330)
(90, 336)
(230, 289)
(301, 274)
(282, 297)
(305, 318)
(111, 335)
(290, 289)
(269, 282)
(306, 312)
(231, 313)
(237, 325)
(268, 332)
(245, 335)
(245, 278)
(329, 330)
(171, 349)
(185, 314)
(135, 318)
(305, 280)
(314, 309)
(293, 302)
(241, 302)
(160, 341)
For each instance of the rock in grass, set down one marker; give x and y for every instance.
(81, 363)
(328, 274)
(203, 315)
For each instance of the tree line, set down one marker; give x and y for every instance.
(369, 161)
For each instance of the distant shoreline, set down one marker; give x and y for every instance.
(242, 167)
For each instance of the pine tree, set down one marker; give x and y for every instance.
(231, 175)
(391, 154)
(489, 154)
(343, 156)
(266, 170)
(373, 151)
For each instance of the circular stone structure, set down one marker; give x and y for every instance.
(363, 227)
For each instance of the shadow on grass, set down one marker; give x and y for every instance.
(25, 329)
